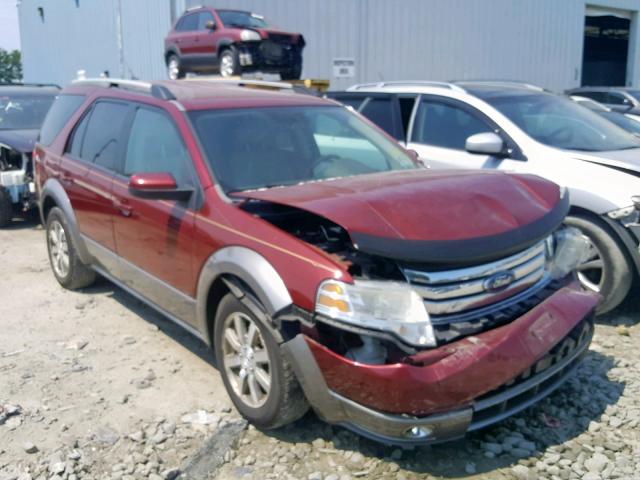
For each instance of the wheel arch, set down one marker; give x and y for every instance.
(246, 274)
(54, 195)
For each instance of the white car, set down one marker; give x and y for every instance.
(520, 127)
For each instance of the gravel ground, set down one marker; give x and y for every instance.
(94, 385)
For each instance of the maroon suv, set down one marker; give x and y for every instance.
(230, 42)
(323, 265)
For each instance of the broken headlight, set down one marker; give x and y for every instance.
(391, 307)
(627, 215)
(566, 249)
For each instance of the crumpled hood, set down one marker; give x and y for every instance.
(425, 215)
(625, 159)
(20, 140)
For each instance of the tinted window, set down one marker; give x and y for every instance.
(380, 112)
(156, 146)
(59, 114)
(203, 18)
(446, 126)
(266, 147)
(103, 137)
(235, 18)
(614, 98)
(75, 146)
(597, 96)
(188, 23)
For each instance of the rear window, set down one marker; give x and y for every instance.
(61, 111)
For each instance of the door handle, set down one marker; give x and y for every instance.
(123, 207)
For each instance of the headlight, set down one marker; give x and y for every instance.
(566, 249)
(249, 36)
(378, 305)
(627, 215)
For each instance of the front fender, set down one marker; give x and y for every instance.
(250, 267)
(53, 190)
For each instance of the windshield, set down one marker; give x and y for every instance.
(234, 18)
(559, 122)
(619, 119)
(273, 146)
(23, 112)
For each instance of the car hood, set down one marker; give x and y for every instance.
(432, 216)
(20, 140)
(624, 159)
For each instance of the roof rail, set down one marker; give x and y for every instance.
(21, 84)
(195, 7)
(501, 83)
(155, 89)
(241, 82)
(407, 83)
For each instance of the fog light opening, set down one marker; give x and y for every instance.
(418, 432)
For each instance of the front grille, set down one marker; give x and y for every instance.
(280, 38)
(537, 381)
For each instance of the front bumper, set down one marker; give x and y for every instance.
(268, 56)
(470, 384)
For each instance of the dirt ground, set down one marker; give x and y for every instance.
(95, 385)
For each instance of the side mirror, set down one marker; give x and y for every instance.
(488, 143)
(210, 25)
(157, 186)
(416, 157)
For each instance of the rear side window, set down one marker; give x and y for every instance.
(597, 96)
(61, 111)
(188, 23)
(103, 135)
(380, 112)
(614, 98)
(156, 146)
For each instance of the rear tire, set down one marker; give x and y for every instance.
(174, 67)
(66, 265)
(609, 271)
(6, 207)
(230, 63)
(246, 353)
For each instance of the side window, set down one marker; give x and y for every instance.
(614, 98)
(188, 23)
(61, 111)
(203, 18)
(351, 101)
(156, 146)
(597, 96)
(103, 135)
(74, 146)
(447, 126)
(380, 112)
(406, 109)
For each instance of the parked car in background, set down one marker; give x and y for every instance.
(620, 99)
(630, 123)
(231, 42)
(322, 263)
(22, 110)
(522, 128)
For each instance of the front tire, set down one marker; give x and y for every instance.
(6, 207)
(608, 271)
(67, 266)
(259, 380)
(230, 63)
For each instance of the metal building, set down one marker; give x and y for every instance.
(557, 44)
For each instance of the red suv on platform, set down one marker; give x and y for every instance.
(230, 42)
(319, 260)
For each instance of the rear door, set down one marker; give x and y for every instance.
(87, 171)
(154, 238)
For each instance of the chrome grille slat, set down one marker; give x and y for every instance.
(454, 291)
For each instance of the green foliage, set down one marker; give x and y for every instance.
(10, 66)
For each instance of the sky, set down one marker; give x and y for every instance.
(9, 33)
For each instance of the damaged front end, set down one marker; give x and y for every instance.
(419, 347)
(16, 176)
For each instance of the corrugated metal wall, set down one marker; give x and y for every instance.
(538, 41)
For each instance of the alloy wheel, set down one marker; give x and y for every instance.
(173, 68)
(226, 65)
(59, 249)
(591, 271)
(246, 359)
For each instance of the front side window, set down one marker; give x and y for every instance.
(561, 123)
(235, 18)
(155, 146)
(23, 112)
(59, 114)
(447, 126)
(597, 96)
(103, 135)
(267, 147)
(615, 98)
(203, 19)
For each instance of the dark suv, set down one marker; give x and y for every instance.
(317, 258)
(231, 42)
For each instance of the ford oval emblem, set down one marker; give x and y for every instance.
(499, 281)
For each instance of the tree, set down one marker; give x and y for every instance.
(10, 66)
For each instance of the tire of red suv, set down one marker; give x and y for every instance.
(6, 207)
(259, 380)
(67, 266)
(230, 63)
(608, 271)
(174, 69)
